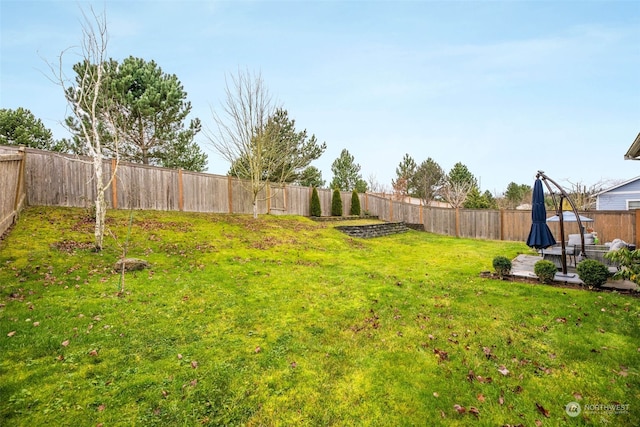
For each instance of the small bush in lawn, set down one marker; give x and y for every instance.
(592, 272)
(545, 270)
(316, 208)
(502, 265)
(355, 203)
(336, 203)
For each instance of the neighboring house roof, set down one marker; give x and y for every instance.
(622, 184)
(634, 151)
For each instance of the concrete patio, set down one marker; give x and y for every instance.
(522, 266)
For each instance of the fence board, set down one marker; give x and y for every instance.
(515, 224)
(205, 193)
(12, 188)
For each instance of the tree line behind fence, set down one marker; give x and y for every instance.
(53, 179)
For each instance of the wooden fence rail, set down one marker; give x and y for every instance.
(54, 179)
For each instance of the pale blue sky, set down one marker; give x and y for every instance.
(505, 87)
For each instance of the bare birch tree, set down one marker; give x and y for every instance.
(241, 131)
(257, 137)
(585, 196)
(455, 192)
(88, 101)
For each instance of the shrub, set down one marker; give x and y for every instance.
(316, 208)
(355, 203)
(545, 270)
(502, 265)
(592, 272)
(629, 262)
(336, 203)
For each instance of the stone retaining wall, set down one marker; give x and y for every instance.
(374, 230)
(416, 227)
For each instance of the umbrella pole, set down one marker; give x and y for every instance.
(563, 195)
(564, 249)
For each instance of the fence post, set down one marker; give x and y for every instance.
(501, 224)
(637, 227)
(180, 191)
(230, 193)
(390, 210)
(457, 222)
(268, 191)
(114, 185)
(284, 198)
(20, 186)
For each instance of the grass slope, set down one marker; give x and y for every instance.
(283, 321)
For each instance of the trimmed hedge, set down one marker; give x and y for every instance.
(592, 272)
(545, 270)
(316, 207)
(336, 203)
(502, 265)
(355, 203)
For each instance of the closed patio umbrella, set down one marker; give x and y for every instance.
(540, 236)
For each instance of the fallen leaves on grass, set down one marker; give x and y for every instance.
(65, 343)
(472, 376)
(459, 409)
(371, 322)
(487, 353)
(624, 371)
(542, 410)
(10, 334)
(503, 370)
(442, 355)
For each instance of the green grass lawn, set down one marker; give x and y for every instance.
(284, 321)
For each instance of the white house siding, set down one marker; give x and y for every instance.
(617, 198)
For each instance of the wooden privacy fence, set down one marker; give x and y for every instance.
(53, 179)
(12, 188)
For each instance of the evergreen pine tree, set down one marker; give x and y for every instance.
(316, 208)
(355, 203)
(336, 203)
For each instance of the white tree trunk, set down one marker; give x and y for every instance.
(101, 204)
